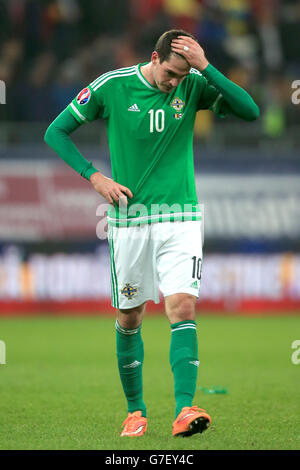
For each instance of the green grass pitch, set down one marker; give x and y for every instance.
(60, 389)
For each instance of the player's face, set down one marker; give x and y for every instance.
(170, 73)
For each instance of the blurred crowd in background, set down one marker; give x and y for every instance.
(50, 49)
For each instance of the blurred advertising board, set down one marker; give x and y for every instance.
(42, 203)
(253, 206)
(81, 281)
(46, 201)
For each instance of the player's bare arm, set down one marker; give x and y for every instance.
(191, 51)
(110, 189)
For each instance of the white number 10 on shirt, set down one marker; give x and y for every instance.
(157, 118)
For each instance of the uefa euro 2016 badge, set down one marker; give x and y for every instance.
(129, 291)
(84, 96)
(177, 104)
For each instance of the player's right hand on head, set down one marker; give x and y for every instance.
(110, 189)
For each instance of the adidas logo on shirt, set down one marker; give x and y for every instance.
(134, 107)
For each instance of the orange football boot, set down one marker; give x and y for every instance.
(191, 420)
(134, 425)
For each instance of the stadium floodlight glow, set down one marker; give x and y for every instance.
(2, 92)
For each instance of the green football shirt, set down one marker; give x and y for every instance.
(150, 135)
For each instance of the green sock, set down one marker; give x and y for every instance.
(184, 362)
(130, 354)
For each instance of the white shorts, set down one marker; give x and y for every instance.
(163, 256)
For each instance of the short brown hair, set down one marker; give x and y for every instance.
(163, 45)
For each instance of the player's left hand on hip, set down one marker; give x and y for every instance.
(191, 51)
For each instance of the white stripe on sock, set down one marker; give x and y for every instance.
(184, 328)
(126, 331)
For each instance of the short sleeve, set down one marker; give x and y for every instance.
(209, 96)
(87, 106)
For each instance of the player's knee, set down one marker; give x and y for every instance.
(131, 317)
(135, 310)
(181, 308)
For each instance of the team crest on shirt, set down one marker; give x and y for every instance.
(177, 104)
(84, 96)
(129, 291)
